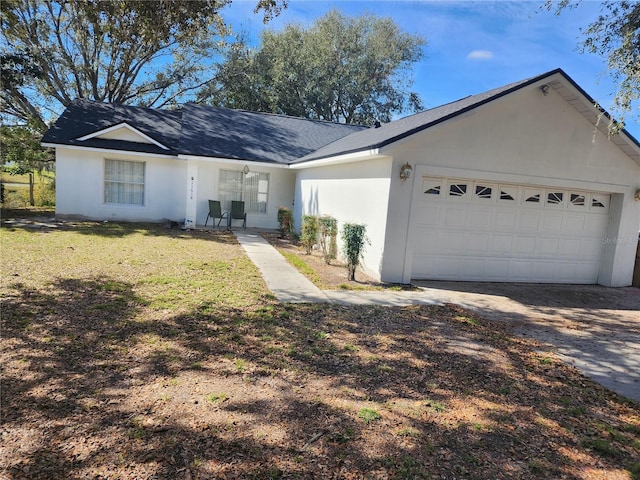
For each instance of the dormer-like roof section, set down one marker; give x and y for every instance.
(88, 124)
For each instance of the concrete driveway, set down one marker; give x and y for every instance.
(594, 328)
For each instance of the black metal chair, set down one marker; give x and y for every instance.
(215, 211)
(238, 213)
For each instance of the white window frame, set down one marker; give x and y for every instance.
(108, 197)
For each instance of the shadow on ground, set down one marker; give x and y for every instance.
(96, 384)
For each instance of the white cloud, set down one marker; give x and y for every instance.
(480, 55)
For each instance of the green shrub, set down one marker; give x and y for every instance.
(354, 238)
(309, 233)
(327, 233)
(285, 219)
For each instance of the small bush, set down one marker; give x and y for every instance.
(309, 233)
(285, 219)
(327, 233)
(355, 239)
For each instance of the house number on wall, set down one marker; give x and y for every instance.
(191, 190)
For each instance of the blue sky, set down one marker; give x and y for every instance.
(472, 46)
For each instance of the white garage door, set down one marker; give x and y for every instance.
(473, 230)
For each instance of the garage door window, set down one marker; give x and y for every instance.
(555, 198)
(508, 193)
(577, 200)
(484, 192)
(599, 201)
(431, 187)
(457, 189)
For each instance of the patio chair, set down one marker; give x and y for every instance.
(238, 213)
(215, 211)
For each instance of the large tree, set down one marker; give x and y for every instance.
(146, 52)
(615, 35)
(351, 70)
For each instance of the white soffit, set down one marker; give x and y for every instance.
(111, 133)
(596, 117)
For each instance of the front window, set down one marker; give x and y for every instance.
(124, 182)
(252, 188)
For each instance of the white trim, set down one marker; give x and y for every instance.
(535, 180)
(119, 126)
(109, 150)
(233, 161)
(345, 158)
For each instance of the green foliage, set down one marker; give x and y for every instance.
(327, 234)
(285, 220)
(309, 233)
(20, 150)
(615, 36)
(342, 69)
(368, 415)
(129, 51)
(18, 196)
(354, 240)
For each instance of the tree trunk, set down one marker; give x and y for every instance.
(352, 272)
(31, 199)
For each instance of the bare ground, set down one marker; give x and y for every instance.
(97, 384)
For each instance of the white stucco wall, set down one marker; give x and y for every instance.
(524, 138)
(80, 187)
(281, 191)
(351, 193)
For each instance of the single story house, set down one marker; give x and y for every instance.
(522, 183)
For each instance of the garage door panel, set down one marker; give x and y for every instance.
(479, 218)
(590, 248)
(509, 233)
(551, 222)
(569, 247)
(501, 244)
(575, 224)
(525, 245)
(455, 217)
(543, 271)
(528, 221)
(549, 247)
(496, 268)
(597, 227)
(520, 270)
(505, 219)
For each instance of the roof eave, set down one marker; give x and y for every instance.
(347, 157)
(232, 160)
(108, 150)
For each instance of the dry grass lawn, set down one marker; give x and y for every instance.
(142, 352)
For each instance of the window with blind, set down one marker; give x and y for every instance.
(252, 188)
(124, 182)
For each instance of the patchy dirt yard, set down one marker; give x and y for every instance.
(138, 352)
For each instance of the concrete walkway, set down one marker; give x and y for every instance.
(594, 328)
(284, 281)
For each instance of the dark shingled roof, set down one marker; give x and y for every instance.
(251, 136)
(84, 117)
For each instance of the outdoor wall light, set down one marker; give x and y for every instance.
(637, 197)
(405, 172)
(245, 170)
